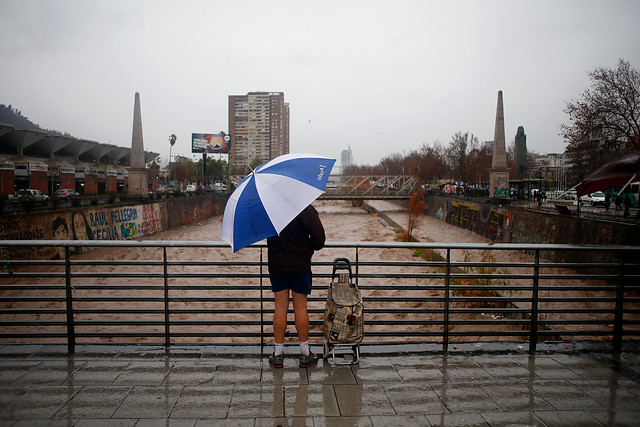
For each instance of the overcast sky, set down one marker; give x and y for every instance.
(380, 76)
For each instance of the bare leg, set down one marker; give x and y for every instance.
(280, 315)
(301, 315)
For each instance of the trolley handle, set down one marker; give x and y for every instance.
(341, 264)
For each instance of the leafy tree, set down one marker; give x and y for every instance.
(604, 122)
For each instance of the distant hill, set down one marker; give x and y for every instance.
(13, 116)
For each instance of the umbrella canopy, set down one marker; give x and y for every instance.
(268, 199)
(612, 174)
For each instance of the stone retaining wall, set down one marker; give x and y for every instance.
(125, 221)
(512, 224)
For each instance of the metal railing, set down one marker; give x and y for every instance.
(185, 292)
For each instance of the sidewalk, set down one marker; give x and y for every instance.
(203, 386)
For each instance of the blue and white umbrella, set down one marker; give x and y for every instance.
(269, 198)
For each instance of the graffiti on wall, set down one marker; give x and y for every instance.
(86, 224)
(486, 221)
(96, 223)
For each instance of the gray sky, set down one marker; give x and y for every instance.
(380, 76)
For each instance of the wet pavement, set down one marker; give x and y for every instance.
(217, 386)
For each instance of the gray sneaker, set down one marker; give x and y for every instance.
(307, 361)
(276, 361)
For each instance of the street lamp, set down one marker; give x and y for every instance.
(172, 141)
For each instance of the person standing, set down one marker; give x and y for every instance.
(607, 201)
(289, 259)
(627, 205)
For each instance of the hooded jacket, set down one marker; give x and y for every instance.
(291, 251)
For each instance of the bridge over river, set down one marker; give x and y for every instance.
(364, 187)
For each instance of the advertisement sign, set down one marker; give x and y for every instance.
(209, 143)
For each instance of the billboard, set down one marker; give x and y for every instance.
(209, 143)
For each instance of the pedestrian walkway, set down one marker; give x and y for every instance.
(218, 386)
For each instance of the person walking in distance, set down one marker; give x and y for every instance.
(289, 259)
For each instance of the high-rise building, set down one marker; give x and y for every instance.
(346, 160)
(258, 126)
(520, 153)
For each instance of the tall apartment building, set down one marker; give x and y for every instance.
(259, 127)
(346, 160)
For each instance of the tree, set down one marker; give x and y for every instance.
(415, 210)
(460, 148)
(604, 122)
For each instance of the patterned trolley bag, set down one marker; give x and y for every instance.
(343, 326)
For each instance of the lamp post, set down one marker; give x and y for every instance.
(172, 141)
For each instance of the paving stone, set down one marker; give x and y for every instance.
(399, 420)
(149, 402)
(378, 374)
(458, 419)
(50, 372)
(191, 374)
(94, 402)
(511, 418)
(342, 421)
(563, 395)
(144, 373)
(414, 398)
(203, 402)
(101, 372)
(257, 401)
(324, 373)
(515, 396)
(356, 400)
(39, 402)
(310, 400)
(459, 397)
(567, 418)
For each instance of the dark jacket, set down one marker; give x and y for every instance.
(291, 251)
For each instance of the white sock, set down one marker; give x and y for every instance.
(304, 348)
(279, 349)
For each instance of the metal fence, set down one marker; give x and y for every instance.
(185, 292)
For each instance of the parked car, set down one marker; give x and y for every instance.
(37, 195)
(220, 187)
(65, 193)
(594, 199)
(191, 188)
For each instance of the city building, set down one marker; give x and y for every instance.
(520, 153)
(46, 162)
(346, 160)
(258, 126)
(552, 166)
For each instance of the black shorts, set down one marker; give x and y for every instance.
(299, 283)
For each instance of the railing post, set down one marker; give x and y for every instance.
(533, 328)
(619, 313)
(357, 266)
(261, 307)
(167, 323)
(445, 326)
(71, 330)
